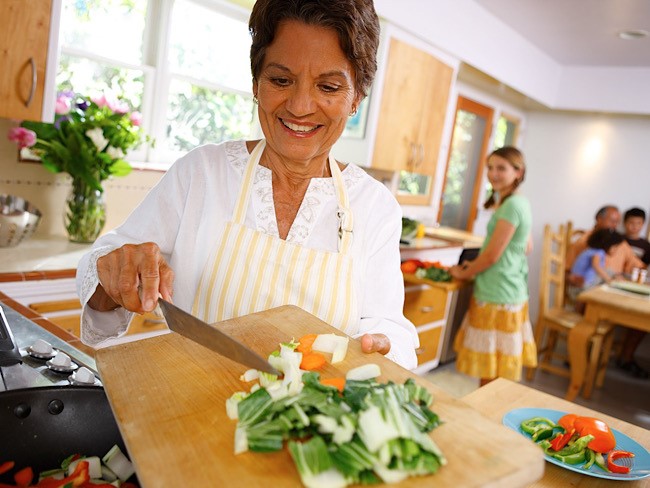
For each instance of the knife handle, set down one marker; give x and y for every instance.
(9, 352)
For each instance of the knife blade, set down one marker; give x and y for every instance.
(211, 337)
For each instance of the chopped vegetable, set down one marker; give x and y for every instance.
(370, 432)
(364, 372)
(338, 383)
(118, 463)
(305, 343)
(6, 466)
(617, 468)
(334, 344)
(312, 361)
(250, 375)
(24, 477)
(577, 440)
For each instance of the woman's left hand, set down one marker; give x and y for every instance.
(459, 272)
(375, 343)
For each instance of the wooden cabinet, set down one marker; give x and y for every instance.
(413, 108)
(428, 308)
(26, 28)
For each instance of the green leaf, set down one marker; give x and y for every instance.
(120, 168)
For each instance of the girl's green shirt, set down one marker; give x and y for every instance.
(506, 281)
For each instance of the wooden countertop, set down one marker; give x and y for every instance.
(466, 239)
(500, 396)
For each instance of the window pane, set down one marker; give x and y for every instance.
(413, 184)
(209, 46)
(109, 28)
(199, 115)
(461, 171)
(86, 77)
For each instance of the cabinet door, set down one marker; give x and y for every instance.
(413, 109)
(24, 31)
(425, 305)
(429, 344)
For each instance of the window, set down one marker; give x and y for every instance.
(469, 143)
(183, 63)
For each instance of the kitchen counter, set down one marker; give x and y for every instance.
(44, 253)
(466, 239)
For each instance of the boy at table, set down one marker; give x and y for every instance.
(633, 221)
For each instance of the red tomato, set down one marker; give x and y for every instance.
(410, 266)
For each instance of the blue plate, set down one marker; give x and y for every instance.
(641, 461)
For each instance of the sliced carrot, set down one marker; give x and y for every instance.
(338, 383)
(24, 477)
(6, 466)
(305, 343)
(312, 360)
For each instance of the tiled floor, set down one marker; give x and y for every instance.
(622, 396)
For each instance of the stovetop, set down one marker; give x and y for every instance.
(25, 333)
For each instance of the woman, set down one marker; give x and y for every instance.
(496, 337)
(245, 226)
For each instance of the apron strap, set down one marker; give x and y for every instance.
(344, 213)
(239, 214)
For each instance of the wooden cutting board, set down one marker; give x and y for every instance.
(168, 395)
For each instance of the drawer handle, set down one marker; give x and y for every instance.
(420, 350)
(427, 309)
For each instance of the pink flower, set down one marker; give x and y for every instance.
(21, 136)
(63, 105)
(109, 100)
(136, 118)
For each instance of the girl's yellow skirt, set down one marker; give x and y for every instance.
(495, 340)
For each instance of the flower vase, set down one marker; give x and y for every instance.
(85, 213)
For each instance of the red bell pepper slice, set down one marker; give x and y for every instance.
(6, 466)
(24, 477)
(561, 440)
(617, 468)
(78, 478)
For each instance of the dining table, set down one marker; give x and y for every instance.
(604, 302)
(501, 396)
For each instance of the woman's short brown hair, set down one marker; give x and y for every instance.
(355, 22)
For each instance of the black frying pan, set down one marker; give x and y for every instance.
(42, 426)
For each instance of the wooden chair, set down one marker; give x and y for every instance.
(555, 320)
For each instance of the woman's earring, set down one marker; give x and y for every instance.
(354, 112)
(255, 100)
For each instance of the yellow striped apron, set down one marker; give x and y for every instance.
(250, 271)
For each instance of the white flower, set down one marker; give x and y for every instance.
(115, 152)
(97, 136)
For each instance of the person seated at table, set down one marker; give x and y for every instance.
(633, 221)
(590, 263)
(623, 260)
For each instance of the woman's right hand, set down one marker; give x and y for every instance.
(132, 276)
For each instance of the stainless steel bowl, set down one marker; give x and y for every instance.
(18, 220)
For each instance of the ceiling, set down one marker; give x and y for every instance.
(579, 32)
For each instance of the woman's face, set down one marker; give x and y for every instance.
(305, 91)
(501, 173)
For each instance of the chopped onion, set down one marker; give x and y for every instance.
(118, 463)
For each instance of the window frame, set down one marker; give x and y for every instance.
(157, 76)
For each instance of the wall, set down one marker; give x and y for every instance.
(48, 191)
(578, 163)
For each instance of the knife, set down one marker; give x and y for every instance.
(211, 337)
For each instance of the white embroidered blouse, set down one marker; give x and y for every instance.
(189, 206)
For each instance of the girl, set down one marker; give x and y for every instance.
(496, 337)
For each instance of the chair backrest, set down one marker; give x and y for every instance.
(551, 282)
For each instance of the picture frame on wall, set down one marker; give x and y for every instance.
(356, 125)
